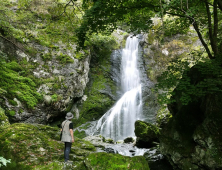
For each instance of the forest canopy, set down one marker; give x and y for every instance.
(204, 15)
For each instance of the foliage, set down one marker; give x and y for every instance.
(101, 44)
(175, 25)
(202, 79)
(103, 16)
(4, 161)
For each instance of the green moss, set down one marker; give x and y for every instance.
(51, 165)
(79, 134)
(98, 103)
(146, 130)
(82, 144)
(79, 55)
(56, 86)
(163, 116)
(46, 56)
(11, 112)
(105, 161)
(64, 59)
(18, 86)
(38, 145)
(85, 126)
(4, 123)
(12, 102)
(54, 98)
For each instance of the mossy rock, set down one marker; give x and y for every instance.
(36, 145)
(146, 133)
(4, 123)
(108, 161)
(128, 140)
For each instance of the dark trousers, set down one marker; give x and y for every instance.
(67, 150)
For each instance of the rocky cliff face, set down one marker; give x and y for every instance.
(191, 138)
(59, 83)
(38, 56)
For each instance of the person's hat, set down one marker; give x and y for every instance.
(69, 115)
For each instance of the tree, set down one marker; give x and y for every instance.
(204, 15)
(103, 16)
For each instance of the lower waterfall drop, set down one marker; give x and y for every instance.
(118, 122)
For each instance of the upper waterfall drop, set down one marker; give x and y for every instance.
(118, 122)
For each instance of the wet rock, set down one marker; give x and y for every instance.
(146, 134)
(128, 140)
(109, 140)
(97, 140)
(156, 160)
(109, 150)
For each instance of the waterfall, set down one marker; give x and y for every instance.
(118, 122)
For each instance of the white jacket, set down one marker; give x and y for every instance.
(66, 136)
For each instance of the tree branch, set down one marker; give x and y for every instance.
(210, 26)
(56, 17)
(201, 39)
(176, 14)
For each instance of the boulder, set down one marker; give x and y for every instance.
(146, 134)
(128, 140)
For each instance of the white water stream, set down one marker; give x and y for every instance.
(118, 122)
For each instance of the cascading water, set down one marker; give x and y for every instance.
(118, 122)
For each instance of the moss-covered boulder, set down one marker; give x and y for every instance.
(108, 161)
(146, 133)
(37, 145)
(4, 123)
(128, 140)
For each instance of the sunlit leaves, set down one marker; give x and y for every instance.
(103, 16)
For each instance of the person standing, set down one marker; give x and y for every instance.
(67, 135)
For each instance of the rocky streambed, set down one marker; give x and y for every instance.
(128, 148)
